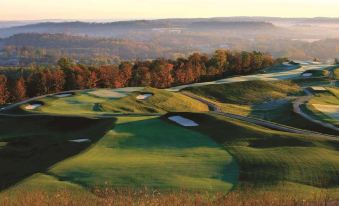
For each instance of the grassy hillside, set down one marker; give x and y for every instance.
(271, 160)
(30, 145)
(249, 92)
(269, 100)
(162, 101)
(149, 152)
(139, 152)
(88, 102)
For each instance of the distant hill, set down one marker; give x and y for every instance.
(120, 28)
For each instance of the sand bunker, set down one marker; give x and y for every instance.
(79, 140)
(329, 110)
(144, 96)
(307, 74)
(183, 121)
(33, 106)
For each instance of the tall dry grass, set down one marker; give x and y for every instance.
(128, 197)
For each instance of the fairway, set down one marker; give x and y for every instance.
(275, 161)
(143, 151)
(117, 101)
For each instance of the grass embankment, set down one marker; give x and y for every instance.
(87, 103)
(276, 161)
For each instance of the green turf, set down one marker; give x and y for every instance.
(32, 144)
(336, 73)
(331, 97)
(271, 159)
(150, 152)
(247, 92)
(162, 101)
(86, 103)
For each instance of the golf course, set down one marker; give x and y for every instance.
(224, 137)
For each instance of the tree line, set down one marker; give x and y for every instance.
(19, 84)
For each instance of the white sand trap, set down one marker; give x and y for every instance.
(307, 74)
(33, 106)
(183, 121)
(144, 96)
(329, 110)
(108, 93)
(79, 140)
(63, 95)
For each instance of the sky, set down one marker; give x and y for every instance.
(154, 9)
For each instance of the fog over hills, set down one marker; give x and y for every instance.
(297, 38)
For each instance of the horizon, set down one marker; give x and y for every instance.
(151, 19)
(20, 10)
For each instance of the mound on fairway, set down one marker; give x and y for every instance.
(146, 151)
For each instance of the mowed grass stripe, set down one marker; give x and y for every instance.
(151, 152)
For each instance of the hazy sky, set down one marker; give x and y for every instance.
(134, 9)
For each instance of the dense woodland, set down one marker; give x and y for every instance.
(19, 84)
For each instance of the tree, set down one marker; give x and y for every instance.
(92, 80)
(37, 84)
(19, 91)
(141, 77)
(125, 73)
(3, 90)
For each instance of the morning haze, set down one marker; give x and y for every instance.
(151, 9)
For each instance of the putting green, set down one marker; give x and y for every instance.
(147, 151)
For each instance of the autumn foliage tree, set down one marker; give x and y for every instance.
(160, 73)
(18, 92)
(3, 90)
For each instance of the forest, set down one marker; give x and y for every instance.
(17, 84)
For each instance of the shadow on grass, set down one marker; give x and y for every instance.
(24, 153)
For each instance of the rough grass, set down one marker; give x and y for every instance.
(268, 159)
(149, 152)
(127, 197)
(245, 93)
